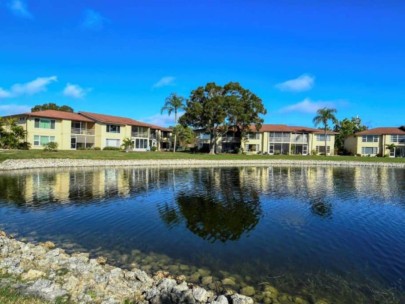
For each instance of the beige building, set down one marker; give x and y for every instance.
(388, 141)
(86, 130)
(274, 140)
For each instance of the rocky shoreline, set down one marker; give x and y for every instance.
(18, 164)
(54, 275)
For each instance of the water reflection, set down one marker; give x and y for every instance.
(220, 207)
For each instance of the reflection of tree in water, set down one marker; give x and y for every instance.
(220, 207)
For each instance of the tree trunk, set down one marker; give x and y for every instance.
(175, 136)
(175, 140)
(212, 143)
(326, 144)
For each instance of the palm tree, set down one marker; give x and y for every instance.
(173, 103)
(128, 144)
(322, 117)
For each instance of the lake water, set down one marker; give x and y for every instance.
(313, 232)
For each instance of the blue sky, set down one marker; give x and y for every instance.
(125, 57)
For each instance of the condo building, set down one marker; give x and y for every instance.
(386, 141)
(85, 130)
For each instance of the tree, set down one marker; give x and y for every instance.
(11, 134)
(185, 135)
(128, 144)
(323, 116)
(173, 103)
(218, 109)
(347, 127)
(51, 106)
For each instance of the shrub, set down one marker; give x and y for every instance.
(97, 148)
(153, 149)
(112, 148)
(51, 147)
(24, 145)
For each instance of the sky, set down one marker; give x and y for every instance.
(125, 57)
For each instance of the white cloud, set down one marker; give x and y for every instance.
(93, 20)
(29, 88)
(302, 83)
(75, 91)
(19, 8)
(11, 109)
(164, 82)
(308, 106)
(163, 120)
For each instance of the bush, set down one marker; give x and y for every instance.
(97, 148)
(24, 145)
(51, 147)
(112, 148)
(153, 149)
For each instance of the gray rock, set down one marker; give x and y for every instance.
(220, 300)
(200, 294)
(239, 299)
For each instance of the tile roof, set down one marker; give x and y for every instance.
(120, 120)
(58, 115)
(293, 129)
(383, 131)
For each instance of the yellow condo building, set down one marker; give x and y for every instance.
(85, 130)
(388, 141)
(274, 139)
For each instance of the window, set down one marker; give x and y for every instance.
(321, 137)
(370, 138)
(112, 143)
(21, 120)
(253, 135)
(40, 140)
(398, 138)
(369, 150)
(113, 129)
(41, 123)
(321, 149)
(141, 143)
(279, 137)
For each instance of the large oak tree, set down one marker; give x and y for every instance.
(217, 109)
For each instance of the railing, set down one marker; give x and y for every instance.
(283, 139)
(140, 134)
(82, 131)
(230, 139)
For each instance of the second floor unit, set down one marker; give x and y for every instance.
(85, 130)
(385, 141)
(274, 139)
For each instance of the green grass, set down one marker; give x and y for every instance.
(118, 155)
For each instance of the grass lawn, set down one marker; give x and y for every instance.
(118, 155)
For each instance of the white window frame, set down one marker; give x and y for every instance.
(113, 129)
(37, 123)
(370, 138)
(38, 140)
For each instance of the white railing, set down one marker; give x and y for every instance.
(82, 131)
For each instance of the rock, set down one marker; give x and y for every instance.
(48, 245)
(3, 234)
(273, 292)
(240, 299)
(167, 285)
(321, 301)
(248, 291)
(206, 280)
(101, 260)
(47, 290)
(300, 300)
(32, 275)
(221, 300)
(229, 281)
(200, 294)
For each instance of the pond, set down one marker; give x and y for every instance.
(315, 232)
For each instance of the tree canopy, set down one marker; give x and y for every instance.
(217, 109)
(51, 106)
(347, 127)
(11, 134)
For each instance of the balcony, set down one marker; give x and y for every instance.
(82, 131)
(140, 134)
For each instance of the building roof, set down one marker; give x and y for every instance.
(110, 119)
(293, 129)
(58, 115)
(383, 131)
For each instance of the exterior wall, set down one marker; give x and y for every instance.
(258, 142)
(361, 145)
(60, 132)
(314, 142)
